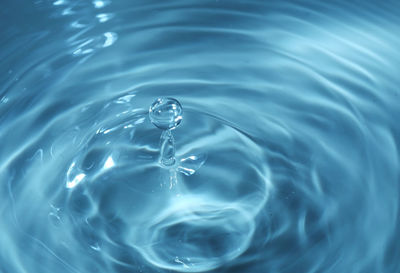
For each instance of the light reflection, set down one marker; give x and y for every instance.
(125, 99)
(98, 4)
(4, 100)
(67, 11)
(95, 247)
(78, 179)
(139, 121)
(77, 24)
(84, 48)
(104, 17)
(111, 37)
(109, 163)
(82, 52)
(190, 164)
(59, 2)
(186, 171)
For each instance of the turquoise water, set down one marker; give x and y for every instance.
(286, 159)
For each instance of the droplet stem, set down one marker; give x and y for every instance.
(167, 149)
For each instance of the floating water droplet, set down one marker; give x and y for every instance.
(166, 113)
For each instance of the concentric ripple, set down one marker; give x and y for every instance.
(287, 156)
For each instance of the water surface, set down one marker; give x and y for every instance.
(291, 107)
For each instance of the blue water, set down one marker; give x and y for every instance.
(286, 159)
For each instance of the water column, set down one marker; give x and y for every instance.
(166, 114)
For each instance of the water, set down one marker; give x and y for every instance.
(166, 113)
(286, 159)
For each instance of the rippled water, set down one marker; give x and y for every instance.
(287, 157)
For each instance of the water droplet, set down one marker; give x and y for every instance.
(166, 113)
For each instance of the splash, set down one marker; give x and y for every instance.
(166, 114)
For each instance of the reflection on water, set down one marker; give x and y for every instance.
(286, 159)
